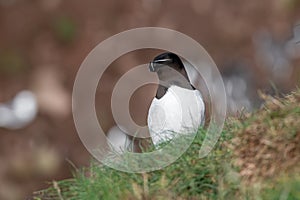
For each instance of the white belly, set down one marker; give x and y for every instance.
(179, 111)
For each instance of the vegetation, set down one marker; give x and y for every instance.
(65, 29)
(257, 157)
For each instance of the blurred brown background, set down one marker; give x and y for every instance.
(43, 42)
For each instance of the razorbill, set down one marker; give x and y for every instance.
(119, 140)
(178, 108)
(19, 112)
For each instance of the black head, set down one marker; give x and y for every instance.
(170, 71)
(166, 59)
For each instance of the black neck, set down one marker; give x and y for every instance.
(168, 78)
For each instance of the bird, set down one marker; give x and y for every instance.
(119, 140)
(178, 108)
(240, 86)
(274, 56)
(19, 112)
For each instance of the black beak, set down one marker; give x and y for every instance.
(152, 67)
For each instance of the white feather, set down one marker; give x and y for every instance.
(179, 111)
(119, 141)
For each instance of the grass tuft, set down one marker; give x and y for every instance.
(257, 157)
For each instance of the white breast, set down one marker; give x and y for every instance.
(179, 111)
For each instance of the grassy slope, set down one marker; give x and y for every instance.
(257, 157)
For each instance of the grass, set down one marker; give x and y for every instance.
(257, 157)
(65, 29)
(12, 62)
